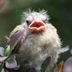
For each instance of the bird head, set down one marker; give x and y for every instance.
(36, 21)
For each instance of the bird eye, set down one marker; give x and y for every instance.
(28, 22)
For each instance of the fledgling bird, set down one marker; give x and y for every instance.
(35, 40)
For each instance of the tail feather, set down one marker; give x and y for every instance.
(64, 49)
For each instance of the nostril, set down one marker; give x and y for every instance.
(28, 22)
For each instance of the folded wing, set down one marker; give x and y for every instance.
(16, 37)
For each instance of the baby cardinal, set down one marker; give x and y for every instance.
(35, 41)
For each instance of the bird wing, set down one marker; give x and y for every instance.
(16, 37)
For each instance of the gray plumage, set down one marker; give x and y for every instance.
(36, 47)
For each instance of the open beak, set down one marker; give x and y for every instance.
(37, 26)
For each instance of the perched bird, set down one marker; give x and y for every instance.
(35, 40)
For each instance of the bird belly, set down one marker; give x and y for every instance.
(37, 48)
(33, 51)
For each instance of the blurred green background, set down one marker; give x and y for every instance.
(60, 12)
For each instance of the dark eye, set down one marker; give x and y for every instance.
(28, 22)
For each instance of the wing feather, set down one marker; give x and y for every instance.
(16, 37)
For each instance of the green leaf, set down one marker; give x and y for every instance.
(11, 59)
(1, 66)
(7, 51)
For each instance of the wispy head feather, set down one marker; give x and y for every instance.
(29, 12)
(44, 12)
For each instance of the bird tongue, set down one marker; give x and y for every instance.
(37, 26)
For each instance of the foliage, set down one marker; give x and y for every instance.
(7, 59)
